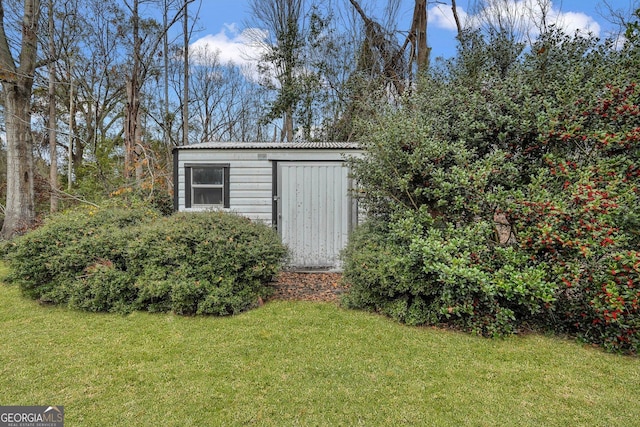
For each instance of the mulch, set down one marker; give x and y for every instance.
(304, 286)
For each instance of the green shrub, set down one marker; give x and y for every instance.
(48, 260)
(216, 263)
(580, 215)
(421, 273)
(123, 259)
(433, 175)
(548, 140)
(103, 287)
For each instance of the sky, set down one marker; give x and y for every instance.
(223, 23)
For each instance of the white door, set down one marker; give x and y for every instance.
(314, 211)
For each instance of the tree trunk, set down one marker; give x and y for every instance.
(454, 9)
(53, 148)
(287, 126)
(132, 109)
(138, 152)
(133, 129)
(185, 101)
(165, 108)
(17, 83)
(420, 32)
(20, 209)
(72, 126)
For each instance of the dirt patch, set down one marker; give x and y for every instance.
(307, 287)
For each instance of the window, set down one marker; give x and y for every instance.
(206, 185)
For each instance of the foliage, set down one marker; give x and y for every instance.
(433, 177)
(549, 146)
(204, 263)
(434, 153)
(47, 261)
(419, 273)
(121, 259)
(580, 215)
(158, 199)
(436, 258)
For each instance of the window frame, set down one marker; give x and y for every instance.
(189, 186)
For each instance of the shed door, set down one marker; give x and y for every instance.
(314, 211)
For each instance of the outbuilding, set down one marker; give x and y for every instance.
(302, 189)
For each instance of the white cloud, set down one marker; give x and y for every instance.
(526, 14)
(571, 22)
(442, 17)
(235, 46)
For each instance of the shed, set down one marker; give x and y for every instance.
(302, 189)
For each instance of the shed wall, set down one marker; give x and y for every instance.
(251, 194)
(250, 181)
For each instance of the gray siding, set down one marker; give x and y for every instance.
(249, 181)
(317, 224)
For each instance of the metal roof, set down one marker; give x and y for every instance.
(272, 145)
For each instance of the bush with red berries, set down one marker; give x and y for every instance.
(580, 216)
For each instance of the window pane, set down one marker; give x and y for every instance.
(207, 175)
(207, 196)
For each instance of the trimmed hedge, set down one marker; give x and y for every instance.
(124, 259)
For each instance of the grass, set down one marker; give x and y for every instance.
(295, 363)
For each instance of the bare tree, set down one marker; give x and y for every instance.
(89, 77)
(381, 53)
(240, 108)
(519, 22)
(17, 75)
(209, 86)
(53, 145)
(146, 37)
(618, 14)
(185, 55)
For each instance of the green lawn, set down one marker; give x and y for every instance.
(294, 363)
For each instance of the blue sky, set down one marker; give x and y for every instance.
(223, 23)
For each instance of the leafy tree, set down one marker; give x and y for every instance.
(280, 63)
